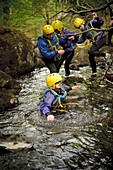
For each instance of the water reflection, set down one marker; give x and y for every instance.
(79, 139)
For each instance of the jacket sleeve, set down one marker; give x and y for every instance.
(67, 88)
(65, 42)
(44, 51)
(66, 31)
(46, 105)
(82, 39)
(97, 22)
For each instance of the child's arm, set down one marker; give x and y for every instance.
(75, 87)
(68, 88)
(46, 105)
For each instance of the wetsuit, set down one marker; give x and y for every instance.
(110, 32)
(68, 46)
(98, 39)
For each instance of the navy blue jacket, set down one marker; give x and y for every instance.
(93, 35)
(48, 48)
(67, 45)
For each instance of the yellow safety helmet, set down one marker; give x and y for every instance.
(52, 79)
(47, 29)
(57, 25)
(78, 22)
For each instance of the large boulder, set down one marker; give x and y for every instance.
(17, 57)
(17, 54)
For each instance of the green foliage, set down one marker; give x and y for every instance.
(30, 15)
(27, 15)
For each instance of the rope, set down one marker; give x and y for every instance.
(95, 29)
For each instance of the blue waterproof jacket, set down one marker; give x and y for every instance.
(50, 99)
(48, 48)
(67, 45)
(93, 35)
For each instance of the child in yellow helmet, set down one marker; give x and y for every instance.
(68, 45)
(54, 95)
(91, 30)
(50, 50)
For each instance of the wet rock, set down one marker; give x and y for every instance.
(9, 89)
(14, 142)
(15, 146)
(109, 77)
(81, 57)
(39, 61)
(73, 80)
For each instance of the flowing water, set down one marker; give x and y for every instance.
(79, 139)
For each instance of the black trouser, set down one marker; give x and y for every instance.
(94, 51)
(68, 58)
(110, 33)
(52, 65)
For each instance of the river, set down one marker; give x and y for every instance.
(80, 139)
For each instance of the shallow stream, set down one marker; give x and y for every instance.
(80, 139)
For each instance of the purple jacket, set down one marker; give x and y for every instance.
(47, 104)
(96, 34)
(67, 45)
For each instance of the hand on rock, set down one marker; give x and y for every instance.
(50, 117)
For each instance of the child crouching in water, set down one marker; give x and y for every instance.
(54, 95)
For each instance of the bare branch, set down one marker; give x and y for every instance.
(107, 4)
(89, 6)
(56, 14)
(90, 10)
(78, 2)
(83, 7)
